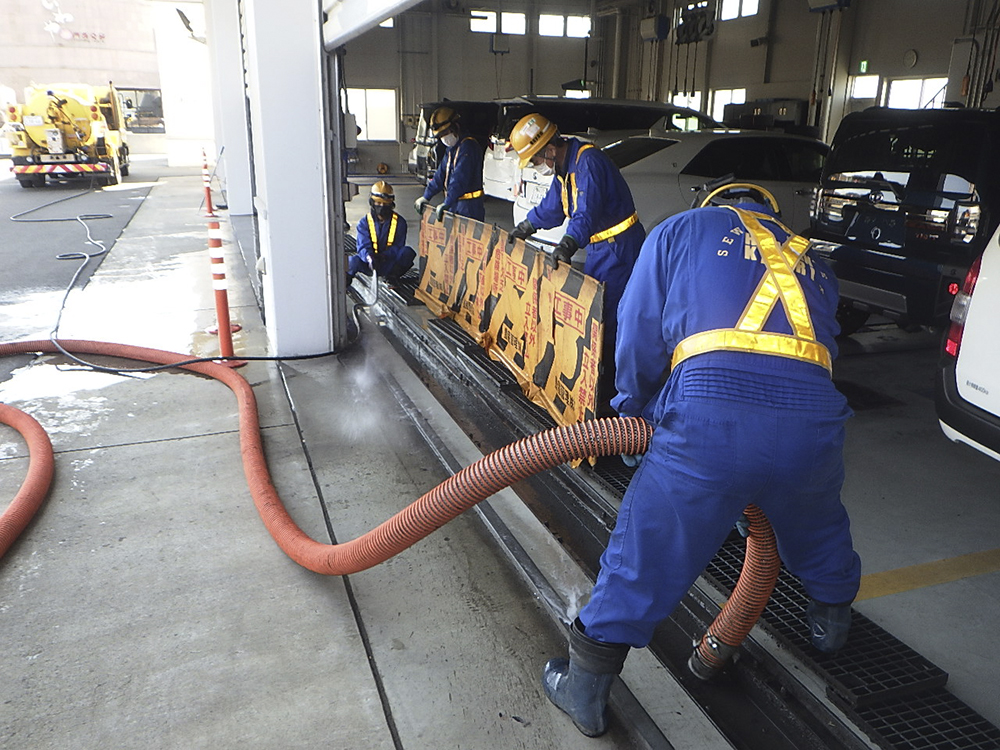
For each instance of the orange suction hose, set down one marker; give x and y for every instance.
(41, 465)
(451, 498)
(746, 604)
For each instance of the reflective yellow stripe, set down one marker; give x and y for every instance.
(779, 282)
(618, 228)
(572, 179)
(760, 342)
(470, 196)
(374, 234)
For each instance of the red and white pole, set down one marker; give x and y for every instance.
(225, 328)
(206, 178)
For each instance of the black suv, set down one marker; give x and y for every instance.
(907, 200)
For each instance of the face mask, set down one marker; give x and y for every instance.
(543, 169)
(449, 140)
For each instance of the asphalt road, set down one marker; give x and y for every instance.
(40, 225)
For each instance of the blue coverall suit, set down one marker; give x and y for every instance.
(460, 176)
(602, 218)
(382, 246)
(740, 416)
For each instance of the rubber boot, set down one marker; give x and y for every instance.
(580, 685)
(829, 625)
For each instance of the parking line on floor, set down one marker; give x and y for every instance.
(920, 576)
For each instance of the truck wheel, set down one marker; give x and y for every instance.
(850, 318)
(123, 160)
(114, 176)
(32, 180)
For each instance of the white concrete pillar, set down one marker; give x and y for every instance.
(185, 82)
(285, 75)
(232, 126)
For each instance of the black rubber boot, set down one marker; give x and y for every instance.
(829, 625)
(580, 685)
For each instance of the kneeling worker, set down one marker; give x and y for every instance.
(725, 344)
(381, 238)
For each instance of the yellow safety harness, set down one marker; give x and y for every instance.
(451, 163)
(374, 234)
(779, 283)
(569, 190)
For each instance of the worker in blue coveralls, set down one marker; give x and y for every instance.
(381, 238)
(460, 172)
(591, 192)
(725, 344)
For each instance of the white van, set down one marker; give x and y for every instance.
(967, 393)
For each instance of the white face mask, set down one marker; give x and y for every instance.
(449, 140)
(543, 169)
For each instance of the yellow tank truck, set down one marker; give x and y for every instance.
(68, 130)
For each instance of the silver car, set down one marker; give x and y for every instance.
(967, 393)
(665, 169)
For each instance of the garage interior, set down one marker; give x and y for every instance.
(920, 673)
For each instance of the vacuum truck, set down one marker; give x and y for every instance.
(68, 130)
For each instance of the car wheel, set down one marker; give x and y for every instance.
(850, 318)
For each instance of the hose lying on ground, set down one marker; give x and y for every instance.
(41, 465)
(458, 493)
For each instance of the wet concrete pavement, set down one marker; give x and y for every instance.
(146, 604)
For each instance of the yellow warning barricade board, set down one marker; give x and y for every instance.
(570, 335)
(545, 325)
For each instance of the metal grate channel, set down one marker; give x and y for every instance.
(452, 331)
(873, 666)
(404, 289)
(935, 720)
(613, 473)
(495, 371)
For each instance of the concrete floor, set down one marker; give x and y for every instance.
(146, 605)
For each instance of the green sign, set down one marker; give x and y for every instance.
(863, 67)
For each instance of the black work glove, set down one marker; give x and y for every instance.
(565, 250)
(521, 232)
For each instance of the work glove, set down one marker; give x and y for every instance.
(439, 212)
(631, 460)
(743, 526)
(419, 204)
(521, 232)
(565, 250)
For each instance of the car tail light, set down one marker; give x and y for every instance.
(960, 309)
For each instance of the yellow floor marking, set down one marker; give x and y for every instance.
(928, 574)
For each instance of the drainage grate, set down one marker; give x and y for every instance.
(935, 720)
(496, 372)
(404, 289)
(872, 666)
(451, 330)
(615, 475)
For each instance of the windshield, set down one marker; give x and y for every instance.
(631, 150)
(907, 159)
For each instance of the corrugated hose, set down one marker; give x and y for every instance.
(476, 482)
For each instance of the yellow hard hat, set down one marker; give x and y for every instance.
(530, 135)
(442, 119)
(382, 195)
